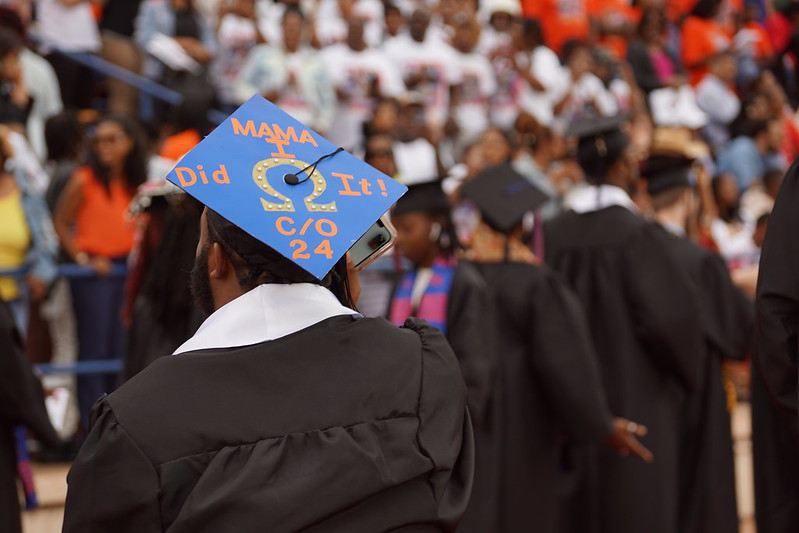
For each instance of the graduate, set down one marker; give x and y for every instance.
(547, 379)
(707, 476)
(644, 322)
(287, 410)
(775, 387)
(446, 292)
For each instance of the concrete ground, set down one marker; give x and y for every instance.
(52, 487)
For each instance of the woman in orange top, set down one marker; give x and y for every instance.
(92, 225)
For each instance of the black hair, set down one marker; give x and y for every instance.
(391, 8)
(531, 29)
(597, 154)
(649, 15)
(292, 9)
(10, 42)
(10, 19)
(570, 47)
(134, 170)
(256, 263)
(727, 215)
(706, 9)
(753, 128)
(63, 134)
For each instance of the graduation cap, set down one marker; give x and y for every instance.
(285, 185)
(664, 172)
(503, 196)
(428, 197)
(601, 142)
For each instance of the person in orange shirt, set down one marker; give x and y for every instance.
(615, 22)
(95, 203)
(702, 39)
(561, 20)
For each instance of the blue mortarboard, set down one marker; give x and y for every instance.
(286, 185)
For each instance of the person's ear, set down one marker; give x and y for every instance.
(218, 262)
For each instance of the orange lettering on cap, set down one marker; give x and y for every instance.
(183, 181)
(345, 182)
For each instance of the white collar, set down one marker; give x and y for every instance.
(595, 197)
(267, 312)
(673, 228)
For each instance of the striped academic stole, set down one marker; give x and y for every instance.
(24, 467)
(433, 304)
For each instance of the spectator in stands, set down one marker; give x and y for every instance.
(750, 155)
(496, 35)
(69, 26)
(428, 66)
(290, 74)
(116, 35)
(175, 34)
(65, 138)
(416, 147)
(716, 97)
(40, 81)
(380, 154)
(702, 39)
(497, 147)
(94, 232)
(585, 96)
(542, 79)
(654, 64)
(15, 100)
(394, 21)
(730, 232)
(26, 238)
(384, 118)
(360, 76)
(562, 20)
(478, 85)
(237, 33)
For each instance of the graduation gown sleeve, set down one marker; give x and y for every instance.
(665, 306)
(778, 302)
(470, 322)
(729, 314)
(97, 500)
(562, 353)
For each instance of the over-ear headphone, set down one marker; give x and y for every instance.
(435, 232)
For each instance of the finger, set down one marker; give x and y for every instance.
(640, 431)
(639, 450)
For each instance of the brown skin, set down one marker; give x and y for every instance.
(626, 442)
(112, 147)
(381, 154)
(496, 149)
(413, 237)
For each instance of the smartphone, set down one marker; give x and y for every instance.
(375, 242)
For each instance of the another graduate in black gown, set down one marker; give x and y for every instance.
(644, 321)
(775, 380)
(547, 381)
(707, 476)
(21, 402)
(446, 292)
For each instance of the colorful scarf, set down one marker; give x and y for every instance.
(433, 304)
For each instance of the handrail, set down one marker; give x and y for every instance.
(70, 270)
(97, 366)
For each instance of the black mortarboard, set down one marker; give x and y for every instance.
(663, 173)
(503, 196)
(601, 142)
(427, 197)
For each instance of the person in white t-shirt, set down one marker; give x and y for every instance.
(237, 33)
(584, 95)
(330, 18)
(428, 67)
(291, 74)
(417, 158)
(360, 77)
(69, 26)
(477, 83)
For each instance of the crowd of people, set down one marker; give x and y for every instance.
(580, 325)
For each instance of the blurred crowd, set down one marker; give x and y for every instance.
(423, 90)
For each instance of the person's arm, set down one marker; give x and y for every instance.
(44, 246)
(563, 359)
(113, 486)
(146, 25)
(65, 214)
(777, 353)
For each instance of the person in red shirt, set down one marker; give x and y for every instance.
(702, 39)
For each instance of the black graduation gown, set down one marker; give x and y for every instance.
(470, 333)
(21, 402)
(776, 434)
(707, 475)
(348, 425)
(547, 381)
(645, 326)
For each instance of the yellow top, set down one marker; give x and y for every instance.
(15, 239)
